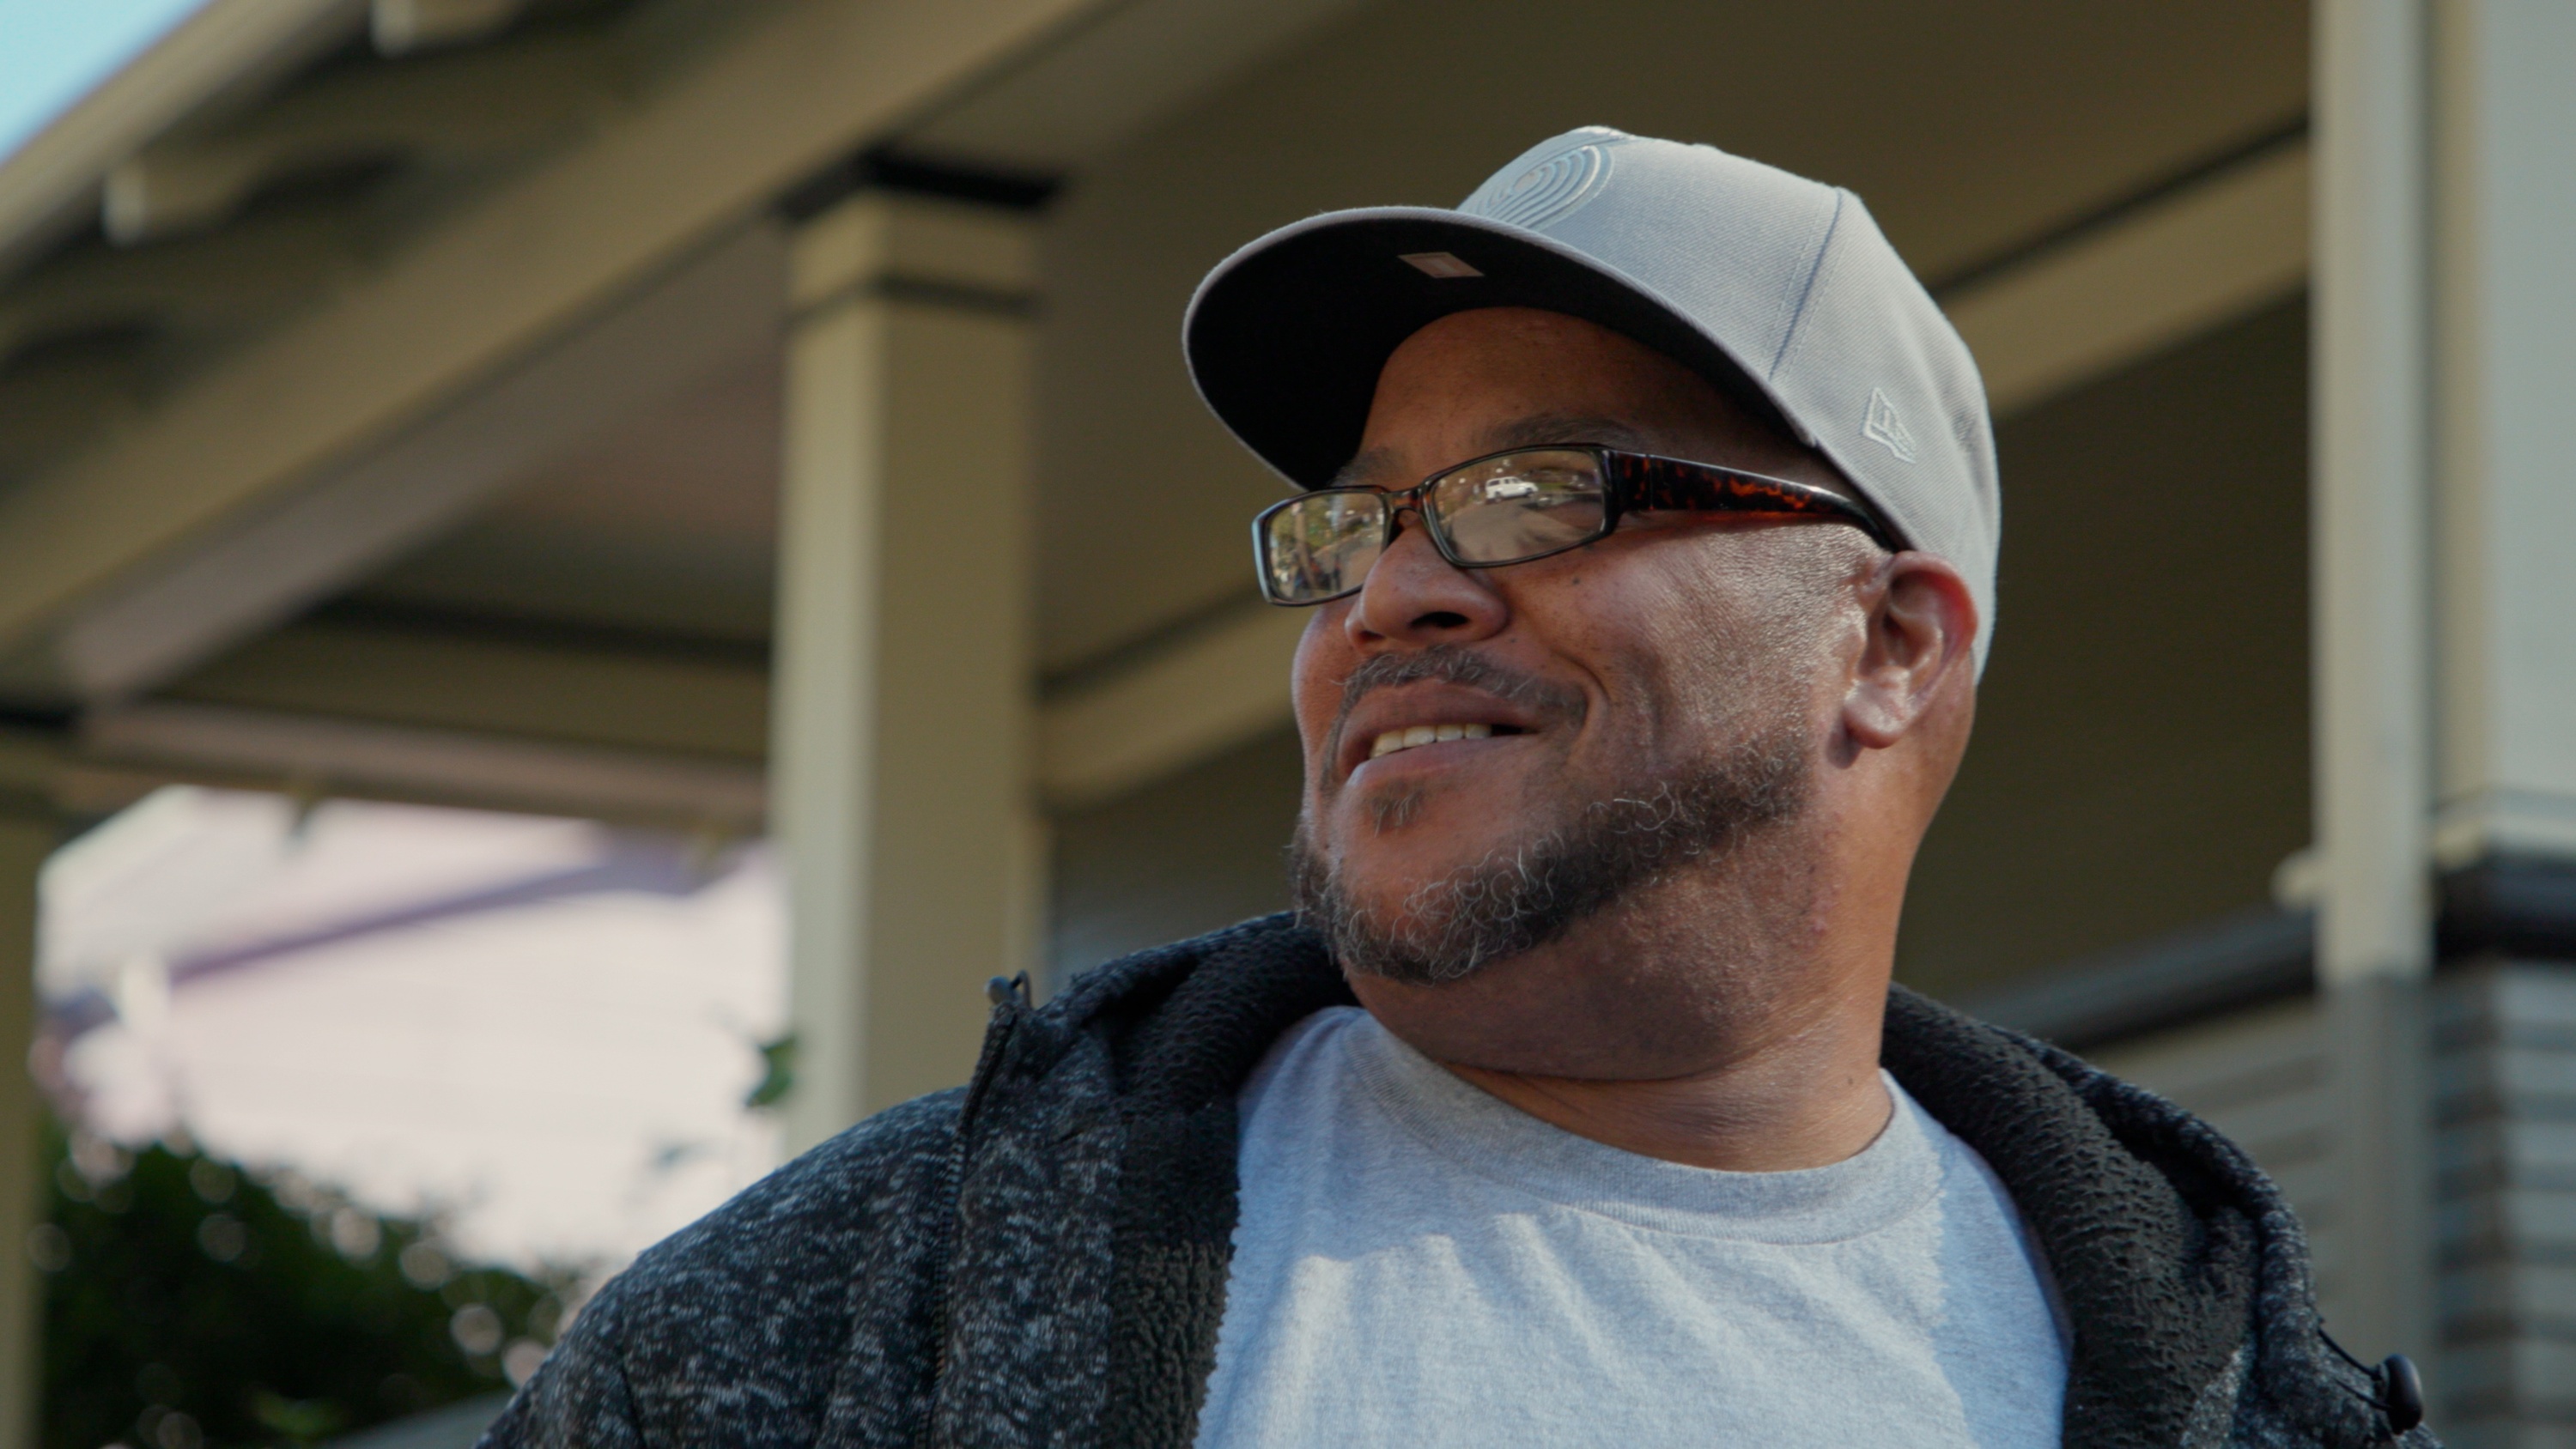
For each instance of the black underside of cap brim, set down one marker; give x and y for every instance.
(1288, 344)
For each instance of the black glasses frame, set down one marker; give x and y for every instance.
(1631, 483)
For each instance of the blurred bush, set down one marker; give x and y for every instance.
(192, 1305)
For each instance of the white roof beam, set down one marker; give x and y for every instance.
(237, 274)
(123, 753)
(254, 571)
(1097, 84)
(609, 691)
(1213, 687)
(473, 105)
(46, 186)
(399, 27)
(2178, 267)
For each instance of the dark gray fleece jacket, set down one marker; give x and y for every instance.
(1040, 1257)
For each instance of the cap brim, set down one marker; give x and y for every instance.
(1286, 338)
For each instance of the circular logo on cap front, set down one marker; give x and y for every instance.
(1545, 193)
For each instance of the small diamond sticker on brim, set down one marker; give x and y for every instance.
(1438, 264)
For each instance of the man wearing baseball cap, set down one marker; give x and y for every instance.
(1647, 515)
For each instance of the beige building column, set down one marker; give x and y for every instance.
(2503, 200)
(2505, 340)
(2371, 515)
(901, 777)
(2445, 512)
(28, 833)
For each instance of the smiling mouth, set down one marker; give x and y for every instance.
(1416, 736)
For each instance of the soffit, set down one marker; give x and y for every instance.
(195, 216)
(666, 524)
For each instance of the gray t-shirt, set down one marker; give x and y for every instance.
(1419, 1263)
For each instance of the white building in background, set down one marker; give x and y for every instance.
(767, 417)
(541, 1034)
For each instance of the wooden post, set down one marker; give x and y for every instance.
(902, 782)
(27, 836)
(2369, 480)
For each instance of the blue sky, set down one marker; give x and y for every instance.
(53, 51)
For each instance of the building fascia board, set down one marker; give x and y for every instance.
(54, 179)
(2206, 970)
(1209, 689)
(800, 87)
(1099, 84)
(125, 753)
(2165, 272)
(494, 680)
(31, 763)
(234, 580)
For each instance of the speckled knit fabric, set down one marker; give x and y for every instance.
(1040, 1258)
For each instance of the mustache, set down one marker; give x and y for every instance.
(1457, 664)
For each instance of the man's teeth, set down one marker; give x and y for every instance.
(1405, 739)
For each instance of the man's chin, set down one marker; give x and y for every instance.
(1383, 876)
(1443, 810)
(1408, 906)
(1442, 895)
(1427, 828)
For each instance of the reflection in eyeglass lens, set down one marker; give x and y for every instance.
(1521, 506)
(1322, 543)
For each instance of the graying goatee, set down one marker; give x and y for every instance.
(1532, 893)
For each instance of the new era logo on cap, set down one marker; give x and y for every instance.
(1885, 428)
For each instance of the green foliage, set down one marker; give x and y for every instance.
(778, 1073)
(189, 1305)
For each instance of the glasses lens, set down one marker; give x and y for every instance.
(1519, 506)
(1320, 546)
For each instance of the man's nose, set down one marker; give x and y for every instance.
(1414, 596)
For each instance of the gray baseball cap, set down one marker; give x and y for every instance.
(1778, 289)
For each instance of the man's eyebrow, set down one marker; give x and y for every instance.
(1534, 431)
(1540, 429)
(1366, 464)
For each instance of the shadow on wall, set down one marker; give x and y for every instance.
(1204, 849)
(2141, 753)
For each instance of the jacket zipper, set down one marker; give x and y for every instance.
(1009, 1000)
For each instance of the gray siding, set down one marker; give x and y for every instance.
(2505, 1158)
(2260, 1077)
(2504, 1151)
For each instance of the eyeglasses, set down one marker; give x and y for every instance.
(1510, 508)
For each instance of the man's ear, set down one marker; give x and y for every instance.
(1922, 635)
